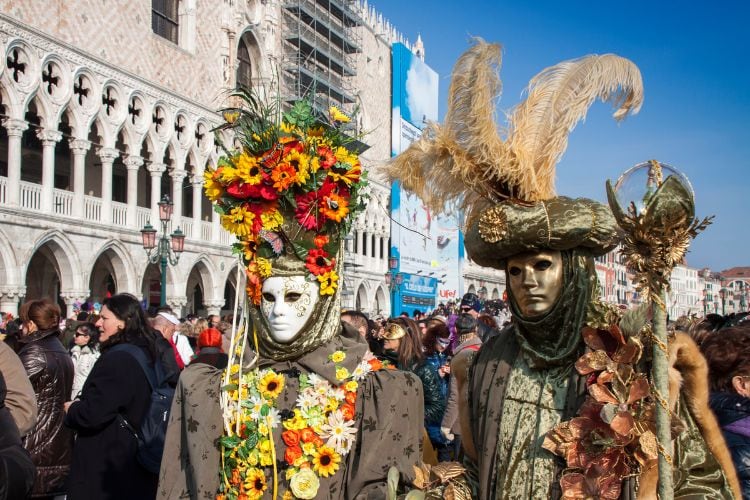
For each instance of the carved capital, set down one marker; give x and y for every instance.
(70, 297)
(197, 180)
(15, 128)
(133, 162)
(107, 155)
(79, 146)
(178, 175)
(12, 293)
(156, 169)
(176, 302)
(49, 137)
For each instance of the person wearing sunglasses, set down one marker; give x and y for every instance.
(84, 352)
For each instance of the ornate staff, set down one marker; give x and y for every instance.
(658, 226)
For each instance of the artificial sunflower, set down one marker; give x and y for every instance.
(337, 115)
(264, 267)
(255, 483)
(211, 186)
(239, 221)
(272, 219)
(248, 169)
(328, 282)
(301, 164)
(271, 385)
(349, 177)
(326, 461)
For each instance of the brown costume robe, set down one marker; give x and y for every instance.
(389, 420)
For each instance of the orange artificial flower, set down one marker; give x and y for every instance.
(292, 453)
(334, 207)
(307, 435)
(375, 364)
(290, 437)
(321, 240)
(283, 176)
(347, 409)
(318, 441)
(351, 397)
(235, 480)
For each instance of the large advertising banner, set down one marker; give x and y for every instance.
(427, 246)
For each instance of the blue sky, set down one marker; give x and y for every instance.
(695, 62)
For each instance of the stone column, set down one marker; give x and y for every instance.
(215, 226)
(213, 306)
(10, 296)
(132, 164)
(178, 305)
(197, 181)
(177, 178)
(360, 241)
(107, 156)
(49, 140)
(71, 297)
(79, 147)
(156, 170)
(14, 129)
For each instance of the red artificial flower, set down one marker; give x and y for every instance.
(319, 262)
(326, 157)
(307, 213)
(321, 240)
(240, 190)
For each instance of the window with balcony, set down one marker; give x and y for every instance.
(165, 19)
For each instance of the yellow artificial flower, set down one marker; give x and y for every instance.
(288, 494)
(343, 155)
(337, 115)
(266, 459)
(248, 169)
(238, 221)
(304, 484)
(349, 177)
(288, 128)
(328, 282)
(272, 220)
(295, 423)
(264, 267)
(231, 116)
(315, 132)
(253, 458)
(255, 483)
(263, 431)
(326, 461)
(271, 385)
(212, 188)
(228, 173)
(342, 373)
(351, 386)
(264, 446)
(234, 369)
(338, 356)
(308, 448)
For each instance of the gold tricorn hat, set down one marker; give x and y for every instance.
(505, 183)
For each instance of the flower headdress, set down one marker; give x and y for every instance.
(290, 191)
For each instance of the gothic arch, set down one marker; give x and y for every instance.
(201, 276)
(14, 105)
(381, 301)
(121, 263)
(8, 261)
(66, 258)
(249, 58)
(362, 302)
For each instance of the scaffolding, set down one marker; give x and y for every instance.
(320, 41)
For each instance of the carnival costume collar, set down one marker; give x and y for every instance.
(555, 339)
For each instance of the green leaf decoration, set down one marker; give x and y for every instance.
(229, 441)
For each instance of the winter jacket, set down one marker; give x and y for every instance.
(104, 461)
(436, 361)
(20, 399)
(16, 468)
(50, 371)
(83, 361)
(733, 413)
(434, 402)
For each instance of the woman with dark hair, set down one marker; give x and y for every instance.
(84, 353)
(402, 346)
(436, 344)
(728, 356)
(116, 391)
(50, 371)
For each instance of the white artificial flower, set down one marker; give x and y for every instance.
(256, 404)
(339, 432)
(273, 419)
(307, 399)
(361, 371)
(338, 394)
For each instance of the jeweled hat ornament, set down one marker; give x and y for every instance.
(505, 184)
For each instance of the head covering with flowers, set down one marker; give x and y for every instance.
(291, 188)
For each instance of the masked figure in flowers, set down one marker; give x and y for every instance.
(314, 414)
(559, 404)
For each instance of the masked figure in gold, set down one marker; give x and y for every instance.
(559, 404)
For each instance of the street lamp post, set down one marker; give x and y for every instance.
(169, 247)
(723, 296)
(394, 279)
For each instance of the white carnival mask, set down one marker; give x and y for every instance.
(287, 303)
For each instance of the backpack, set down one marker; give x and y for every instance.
(154, 426)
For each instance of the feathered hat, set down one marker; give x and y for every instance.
(504, 183)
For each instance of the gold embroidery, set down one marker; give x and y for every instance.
(493, 224)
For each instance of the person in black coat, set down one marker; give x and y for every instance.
(104, 455)
(17, 471)
(728, 356)
(50, 372)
